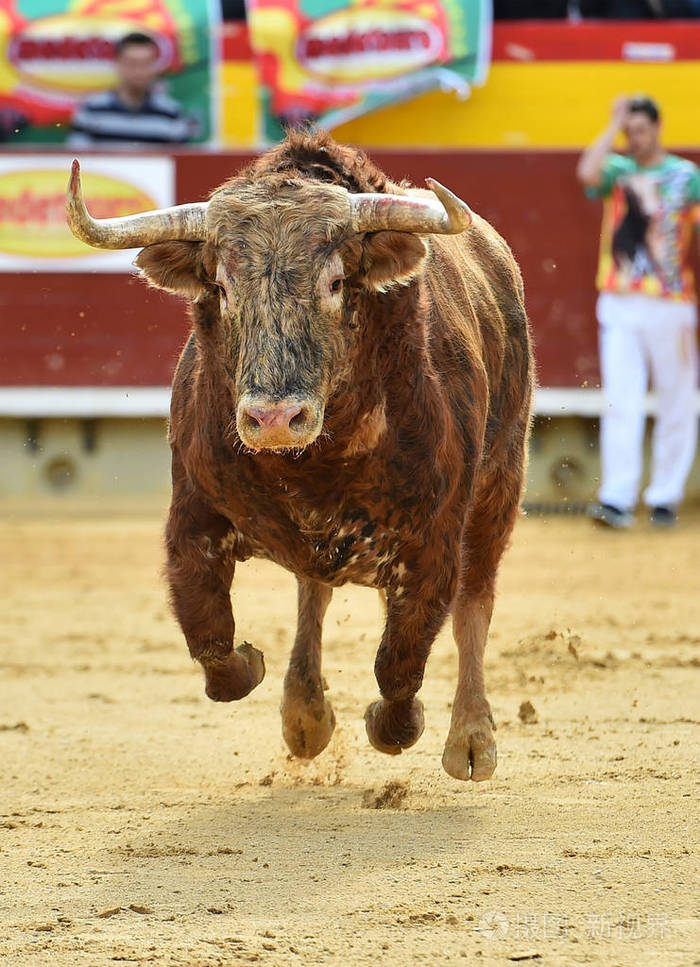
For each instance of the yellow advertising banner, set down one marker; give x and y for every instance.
(33, 229)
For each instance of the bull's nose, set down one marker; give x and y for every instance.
(275, 425)
(280, 414)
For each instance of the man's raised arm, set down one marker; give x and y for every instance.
(590, 166)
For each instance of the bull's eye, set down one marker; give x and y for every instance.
(336, 285)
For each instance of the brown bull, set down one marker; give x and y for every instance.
(352, 404)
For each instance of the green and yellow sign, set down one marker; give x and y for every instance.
(53, 53)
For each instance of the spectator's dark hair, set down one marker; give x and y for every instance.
(135, 39)
(645, 105)
(631, 233)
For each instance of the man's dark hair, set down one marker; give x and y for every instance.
(644, 105)
(135, 39)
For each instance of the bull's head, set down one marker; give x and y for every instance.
(286, 258)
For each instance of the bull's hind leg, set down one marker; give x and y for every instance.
(307, 716)
(200, 571)
(470, 749)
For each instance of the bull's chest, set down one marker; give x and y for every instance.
(346, 546)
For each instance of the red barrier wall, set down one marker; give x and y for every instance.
(111, 330)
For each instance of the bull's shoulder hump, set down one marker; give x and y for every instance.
(480, 255)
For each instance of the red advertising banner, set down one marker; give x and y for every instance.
(328, 61)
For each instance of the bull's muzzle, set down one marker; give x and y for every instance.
(264, 424)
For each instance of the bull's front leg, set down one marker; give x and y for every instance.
(200, 570)
(307, 716)
(416, 610)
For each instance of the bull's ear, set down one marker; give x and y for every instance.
(174, 266)
(392, 258)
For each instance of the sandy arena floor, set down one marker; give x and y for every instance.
(141, 823)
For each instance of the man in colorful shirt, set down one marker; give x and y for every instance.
(646, 310)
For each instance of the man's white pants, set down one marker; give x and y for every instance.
(642, 337)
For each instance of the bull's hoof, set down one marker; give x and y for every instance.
(236, 676)
(394, 726)
(307, 727)
(470, 751)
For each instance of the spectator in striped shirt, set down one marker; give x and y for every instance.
(135, 112)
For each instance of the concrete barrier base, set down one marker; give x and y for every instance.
(116, 457)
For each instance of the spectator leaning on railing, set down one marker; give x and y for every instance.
(646, 310)
(134, 112)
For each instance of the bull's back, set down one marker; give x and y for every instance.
(478, 316)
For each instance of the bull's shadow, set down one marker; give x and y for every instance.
(293, 841)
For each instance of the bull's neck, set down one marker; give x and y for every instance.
(392, 356)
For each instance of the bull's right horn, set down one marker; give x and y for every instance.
(184, 222)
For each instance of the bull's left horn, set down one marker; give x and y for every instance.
(443, 214)
(185, 222)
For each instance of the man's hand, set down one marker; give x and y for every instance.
(619, 112)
